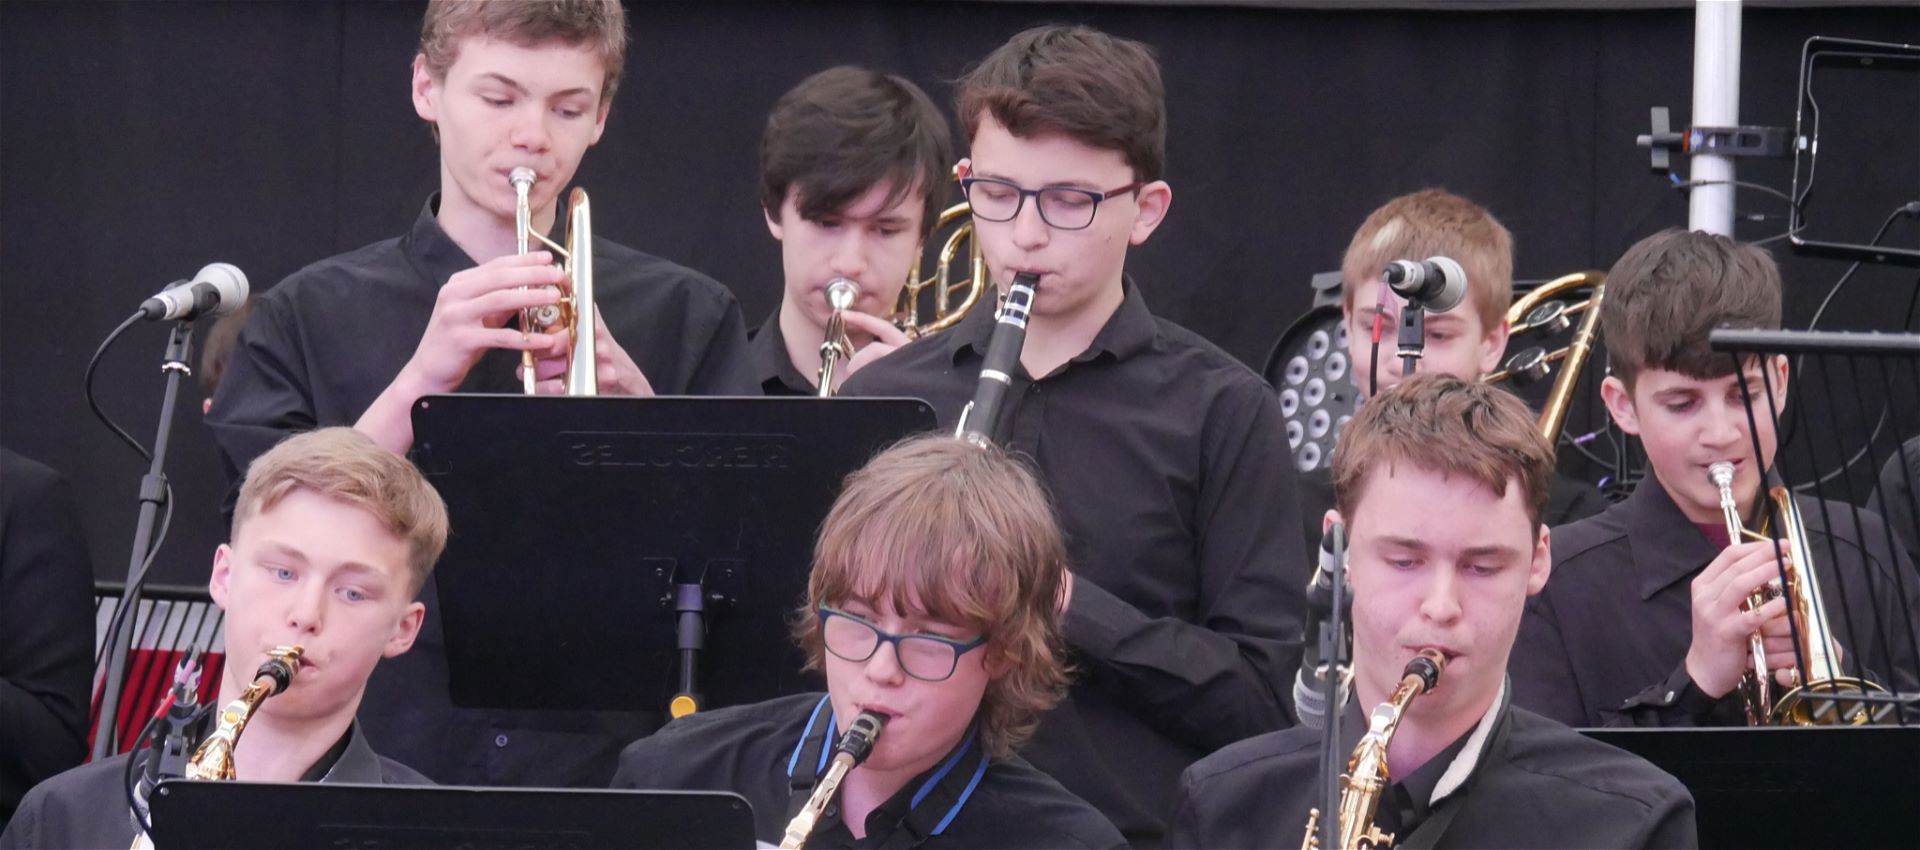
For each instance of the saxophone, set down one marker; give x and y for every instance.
(1367, 776)
(214, 757)
(854, 747)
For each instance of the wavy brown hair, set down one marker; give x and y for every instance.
(940, 528)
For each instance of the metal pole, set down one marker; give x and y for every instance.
(1716, 103)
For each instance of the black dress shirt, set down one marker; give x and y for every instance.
(1894, 496)
(46, 628)
(87, 806)
(1168, 466)
(771, 752)
(1516, 780)
(772, 368)
(322, 345)
(1605, 644)
(1567, 500)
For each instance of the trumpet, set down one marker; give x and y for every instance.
(854, 747)
(837, 345)
(213, 759)
(1810, 699)
(575, 312)
(1367, 775)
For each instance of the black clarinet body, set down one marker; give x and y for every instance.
(980, 419)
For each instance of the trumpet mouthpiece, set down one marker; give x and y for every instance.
(841, 292)
(1721, 472)
(522, 176)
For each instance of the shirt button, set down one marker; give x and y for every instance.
(1669, 697)
(500, 740)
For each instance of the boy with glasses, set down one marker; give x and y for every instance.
(1168, 458)
(931, 604)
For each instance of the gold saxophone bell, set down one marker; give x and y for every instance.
(1815, 682)
(575, 312)
(1541, 311)
(837, 345)
(1367, 776)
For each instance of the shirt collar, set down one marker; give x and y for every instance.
(1667, 547)
(431, 251)
(773, 370)
(1129, 331)
(356, 762)
(1448, 771)
(925, 805)
(436, 256)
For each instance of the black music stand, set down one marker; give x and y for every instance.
(313, 816)
(1789, 787)
(628, 553)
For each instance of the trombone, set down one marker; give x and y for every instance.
(575, 312)
(1540, 310)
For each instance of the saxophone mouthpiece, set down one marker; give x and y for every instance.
(282, 662)
(1427, 666)
(861, 735)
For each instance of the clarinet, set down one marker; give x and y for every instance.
(980, 419)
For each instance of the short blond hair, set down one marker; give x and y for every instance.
(344, 464)
(967, 536)
(1436, 222)
(600, 25)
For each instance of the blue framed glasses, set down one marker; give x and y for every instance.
(1062, 207)
(929, 658)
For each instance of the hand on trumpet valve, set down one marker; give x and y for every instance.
(1724, 623)
(471, 313)
(618, 374)
(882, 338)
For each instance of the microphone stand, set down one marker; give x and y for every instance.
(1337, 656)
(153, 497)
(1413, 336)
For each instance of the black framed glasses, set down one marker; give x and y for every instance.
(1062, 207)
(929, 658)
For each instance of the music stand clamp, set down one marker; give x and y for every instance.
(625, 554)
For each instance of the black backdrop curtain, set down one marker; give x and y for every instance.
(139, 141)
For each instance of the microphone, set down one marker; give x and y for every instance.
(1436, 283)
(168, 749)
(1320, 645)
(216, 290)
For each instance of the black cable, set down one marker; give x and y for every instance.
(1886, 404)
(94, 404)
(128, 780)
(137, 581)
(1837, 285)
(1792, 206)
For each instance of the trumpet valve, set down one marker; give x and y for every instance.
(1529, 365)
(1550, 317)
